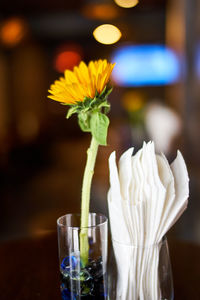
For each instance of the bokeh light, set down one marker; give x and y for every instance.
(107, 34)
(126, 3)
(13, 31)
(161, 121)
(197, 60)
(100, 11)
(67, 57)
(145, 65)
(133, 101)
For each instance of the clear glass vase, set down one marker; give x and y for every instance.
(140, 273)
(78, 280)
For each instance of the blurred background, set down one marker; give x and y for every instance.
(156, 96)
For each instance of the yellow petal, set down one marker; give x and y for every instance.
(82, 82)
(70, 77)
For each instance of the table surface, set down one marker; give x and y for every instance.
(29, 269)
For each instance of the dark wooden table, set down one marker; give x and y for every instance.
(29, 269)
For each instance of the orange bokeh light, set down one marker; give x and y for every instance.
(12, 31)
(100, 11)
(67, 60)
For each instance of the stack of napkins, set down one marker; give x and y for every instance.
(146, 197)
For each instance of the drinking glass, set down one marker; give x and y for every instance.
(80, 281)
(140, 272)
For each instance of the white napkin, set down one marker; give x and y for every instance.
(146, 197)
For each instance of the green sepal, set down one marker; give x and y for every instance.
(92, 115)
(106, 106)
(106, 92)
(99, 127)
(72, 110)
(105, 88)
(86, 102)
(84, 121)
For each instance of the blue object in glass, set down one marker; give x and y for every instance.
(145, 65)
(66, 295)
(87, 282)
(69, 262)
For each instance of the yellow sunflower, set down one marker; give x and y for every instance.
(83, 81)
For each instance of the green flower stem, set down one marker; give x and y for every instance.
(85, 201)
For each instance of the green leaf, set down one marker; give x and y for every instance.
(71, 111)
(84, 122)
(99, 127)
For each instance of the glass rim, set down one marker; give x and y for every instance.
(162, 241)
(105, 221)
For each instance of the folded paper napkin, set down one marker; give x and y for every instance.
(146, 197)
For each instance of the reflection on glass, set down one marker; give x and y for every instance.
(142, 272)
